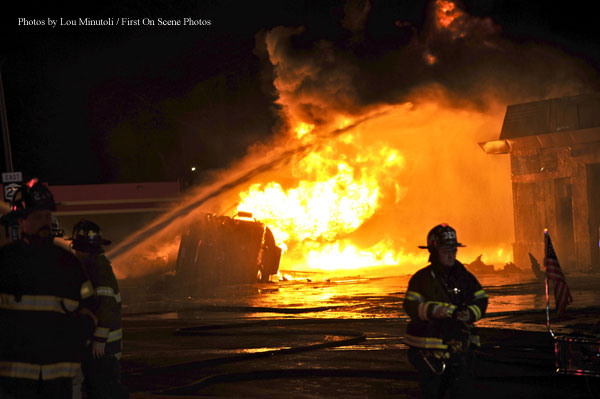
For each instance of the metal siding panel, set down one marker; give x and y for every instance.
(526, 119)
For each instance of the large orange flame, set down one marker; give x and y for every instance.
(338, 187)
(368, 196)
(367, 193)
(329, 216)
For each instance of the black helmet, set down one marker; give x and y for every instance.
(441, 236)
(86, 237)
(31, 196)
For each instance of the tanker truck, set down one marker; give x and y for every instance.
(218, 250)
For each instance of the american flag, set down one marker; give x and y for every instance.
(562, 294)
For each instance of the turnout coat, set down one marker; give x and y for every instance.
(108, 300)
(46, 311)
(434, 286)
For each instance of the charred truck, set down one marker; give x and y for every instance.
(217, 250)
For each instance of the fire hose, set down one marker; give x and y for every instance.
(350, 338)
(286, 373)
(534, 355)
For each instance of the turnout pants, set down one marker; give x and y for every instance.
(102, 379)
(435, 380)
(23, 388)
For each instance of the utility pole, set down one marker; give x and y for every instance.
(11, 228)
(4, 121)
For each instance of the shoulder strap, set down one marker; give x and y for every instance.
(444, 286)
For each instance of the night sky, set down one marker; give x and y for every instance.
(108, 104)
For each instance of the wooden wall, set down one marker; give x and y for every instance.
(558, 189)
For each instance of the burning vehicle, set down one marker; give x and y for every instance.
(217, 250)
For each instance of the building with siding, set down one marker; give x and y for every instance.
(554, 149)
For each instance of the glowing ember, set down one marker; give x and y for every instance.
(446, 13)
(430, 58)
(448, 17)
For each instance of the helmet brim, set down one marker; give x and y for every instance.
(85, 246)
(458, 244)
(23, 213)
(102, 241)
(94, 249)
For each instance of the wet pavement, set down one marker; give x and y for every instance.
(327, 336)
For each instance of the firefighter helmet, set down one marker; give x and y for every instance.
(30, 197)
(86, 237)
(441, 236)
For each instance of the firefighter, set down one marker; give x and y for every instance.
(101, 365)
(443, 300)
(46, 304)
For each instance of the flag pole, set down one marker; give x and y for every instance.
(548, 310)
(546, 283)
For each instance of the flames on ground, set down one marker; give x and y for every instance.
(360, 172)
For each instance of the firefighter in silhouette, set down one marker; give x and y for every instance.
(101, 369)
(46, 304)
(443, 300)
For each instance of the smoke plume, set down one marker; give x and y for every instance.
(427, 101)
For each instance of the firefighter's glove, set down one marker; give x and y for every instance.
(440, 354)
(98, 349)
(455, 346)
(443, 311)
(463, 315)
